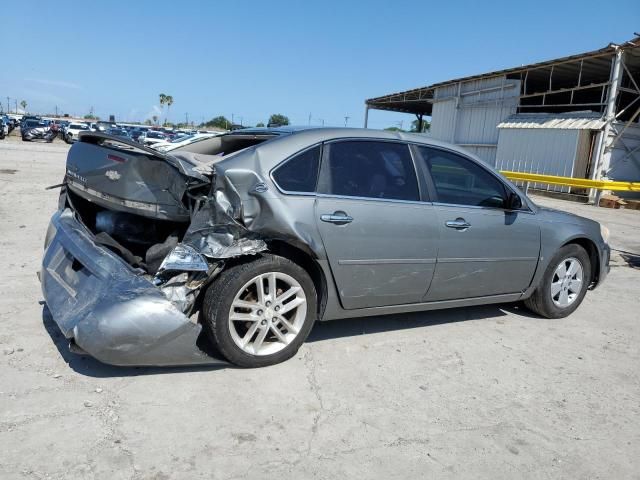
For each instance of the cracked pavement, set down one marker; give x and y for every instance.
(482, 392)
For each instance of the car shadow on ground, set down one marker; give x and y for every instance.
(351, 327)
(322, 331)
(632, 259)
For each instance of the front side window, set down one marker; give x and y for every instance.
(371, 169)
(299, 173)
(460, 181)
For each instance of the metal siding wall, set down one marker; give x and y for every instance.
(541, 150)
(625, 166)
(583, 152)
(474, 124)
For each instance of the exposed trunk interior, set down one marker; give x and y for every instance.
(141, 241)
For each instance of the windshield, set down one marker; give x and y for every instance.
(154, 135)
(76, 126)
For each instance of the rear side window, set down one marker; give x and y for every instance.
(461, 181)
(370, 169)
(300, 172)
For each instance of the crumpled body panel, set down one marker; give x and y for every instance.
(109, 309)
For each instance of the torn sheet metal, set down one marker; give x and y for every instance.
(108, 308)
(215, 233)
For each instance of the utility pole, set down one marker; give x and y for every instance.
(232, 122)
(16, 100)
(7, 104)
(186, 118)
(346, 120)
(240, 120)
(56, 110)
(309, 118)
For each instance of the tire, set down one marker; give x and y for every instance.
(68, 139)
(239, 284)
(544, 302)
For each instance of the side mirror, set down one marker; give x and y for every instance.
(514, 202)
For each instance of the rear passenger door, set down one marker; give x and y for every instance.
(484, 248)
(379, 234)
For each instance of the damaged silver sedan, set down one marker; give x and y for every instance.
(249, 237)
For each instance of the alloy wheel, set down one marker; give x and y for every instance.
(567, 281)
(267, 313)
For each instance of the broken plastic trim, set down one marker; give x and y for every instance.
(184, 258)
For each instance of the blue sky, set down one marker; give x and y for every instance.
(251, 59)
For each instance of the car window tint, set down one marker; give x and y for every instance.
(461, 181)
(299, 173)
(370, 169)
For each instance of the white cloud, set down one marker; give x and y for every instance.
(155, 110)
(54, 83)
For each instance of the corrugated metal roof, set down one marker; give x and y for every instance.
(418, 100)
(564, 121)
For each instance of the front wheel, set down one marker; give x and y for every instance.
(564, 283)
(259, 313)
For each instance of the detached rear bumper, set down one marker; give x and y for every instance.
(109, 310)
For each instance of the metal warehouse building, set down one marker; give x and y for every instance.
(575, 116)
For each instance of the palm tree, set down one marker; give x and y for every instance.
(155, 119)
(23, 104)
(163, 100)
(168, 99)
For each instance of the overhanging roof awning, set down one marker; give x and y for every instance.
(418, 101)
(594, 67)
(565, 121)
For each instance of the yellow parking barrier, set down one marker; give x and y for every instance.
(572, 182)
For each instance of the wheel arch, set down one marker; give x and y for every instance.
(311, 266)
(594, 257)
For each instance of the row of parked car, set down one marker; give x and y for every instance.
(7, 124)
(37, 128)
(161, 139)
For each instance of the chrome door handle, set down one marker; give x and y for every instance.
(339, 218)
(458, 224)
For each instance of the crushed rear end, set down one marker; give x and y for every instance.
(137, 238)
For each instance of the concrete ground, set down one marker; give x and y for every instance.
(483, 392)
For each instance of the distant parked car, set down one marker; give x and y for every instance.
(72, 131)
(137, 131)
(118, 132)
(180, 142)
(37, 130)
(27, 118)
(4, 127)
(150, 137)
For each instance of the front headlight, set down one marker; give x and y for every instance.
(604, 231)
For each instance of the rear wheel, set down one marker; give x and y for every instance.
(564, 283)
(259, 313)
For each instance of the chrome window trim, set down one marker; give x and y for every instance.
(299, 152)
(371, 199)
(480, 207)
(375, 139)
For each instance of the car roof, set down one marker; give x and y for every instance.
(290, 140)
(319, 134)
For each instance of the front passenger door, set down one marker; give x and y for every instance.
(484, 249)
